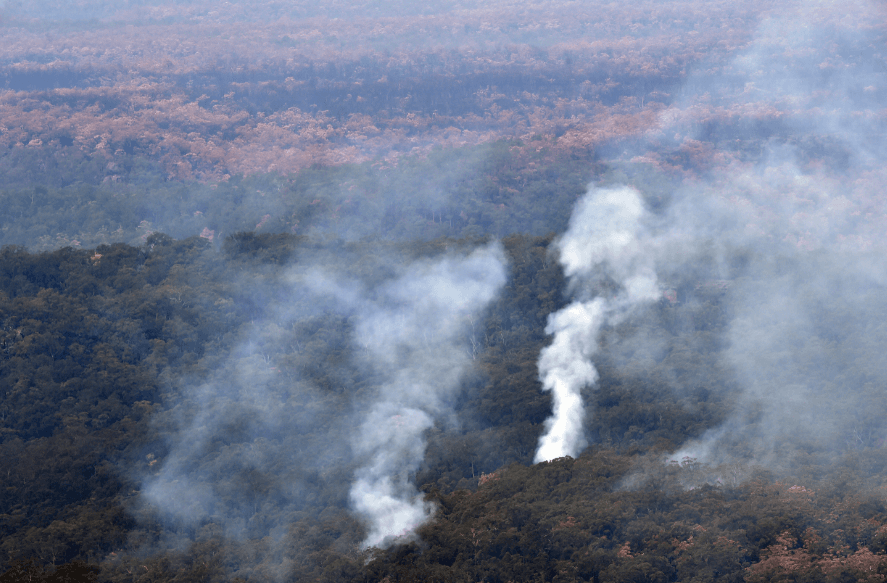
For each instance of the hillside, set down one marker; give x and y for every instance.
(489, 292)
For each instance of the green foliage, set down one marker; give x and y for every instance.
(95, 343)
(75, 572)
(455, 192)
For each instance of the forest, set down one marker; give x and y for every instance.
(460, 291)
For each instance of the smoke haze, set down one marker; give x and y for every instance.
(792, 236)
(794, 239)
(300, 357)
(400, 374)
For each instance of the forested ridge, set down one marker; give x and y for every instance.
(91, 338)
(218, 228)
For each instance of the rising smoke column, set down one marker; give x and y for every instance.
(415, 333)
(606, 236)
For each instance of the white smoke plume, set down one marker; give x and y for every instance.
(254, 447)
(415, 334)
(607, 236)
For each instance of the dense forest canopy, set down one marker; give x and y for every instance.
(500, 291)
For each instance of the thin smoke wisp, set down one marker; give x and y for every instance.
(607, 237)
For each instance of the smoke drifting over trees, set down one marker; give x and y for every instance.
(410, 343)
(500, 291)
(810, 247)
